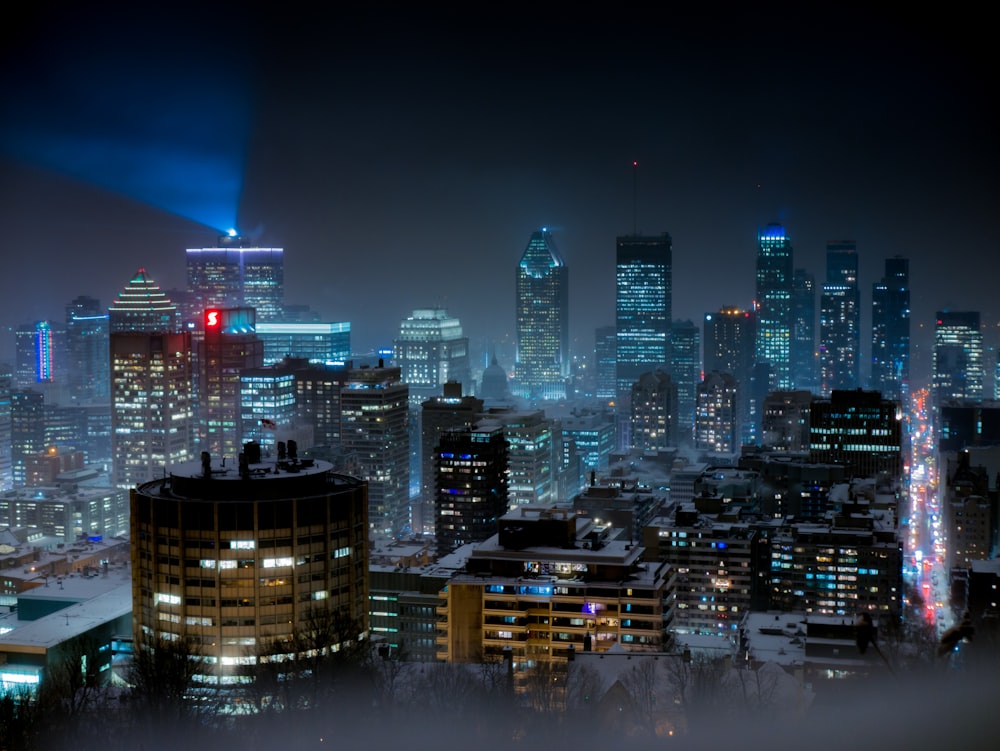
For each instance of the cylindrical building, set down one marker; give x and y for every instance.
(237, 560)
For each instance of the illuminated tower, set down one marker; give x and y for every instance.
(152, 420)
(430, 351)
(729, 348)
(717, 418)
(375, 422)
(958, 357)
(543, 362)
(87, 350)
(653, 406)
(229, 346)
(643, 308)
(774, 304)
(840, 319)
(6, 428)
(237, 274)
(891, 329)
(604, 364)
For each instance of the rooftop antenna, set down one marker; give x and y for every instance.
(635, 197)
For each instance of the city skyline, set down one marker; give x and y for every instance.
(387, 164)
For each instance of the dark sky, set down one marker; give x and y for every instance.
(403, 154)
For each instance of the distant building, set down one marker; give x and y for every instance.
(643, 308)
(593, 435)
(773, 299)
(67, 511)
(87, 329)
(717, 423)
(314, 341)
(142, 307)
(27, 431)
(471, 484)
(803, 350)
(605, 363)
(785, 421)
(891, 330)
(431, 350)
(840, 319)
(542, 369)
(237, 274)
(6, 428)
(858, 429)
(685, 372)
(653, 412)
(958, 357)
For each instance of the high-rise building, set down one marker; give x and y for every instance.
(315, 341)
(958, 357)
(374, 428)
(27, 436)
(785, 421)
(229, 347)
(87, 329)
(237, 274)
(430, 351)
(685, 371)
(268, 408)
(643, 308)
(143, 307)
(891, 329)
(40, 351)
(152, 416)
(859, 430)
(267, 551)
(604, 364)
(773, 302)
(592, 434)
(840, 319)
(802, 352)
(437, 414)
(653, 404)
(6, 428)
(729, 342)
(543, 363)
(470, 484)
(534, 453)
(717, 427)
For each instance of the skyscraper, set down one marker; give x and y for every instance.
(717, 418)
(774, 304)
(6, 427)
(729, 348)
(805, 374)
(653, 410)
(87, 350)
(430, 351)
(316, 341)
(891, 329)
(840, 319)
(958, 357)
(229, 347)
(643, 308)
(685, 371)
(237, 274)
(604, 363)
(375, 429)
(152, 420)
(543, 364)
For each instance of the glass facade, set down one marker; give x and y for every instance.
(774, 304)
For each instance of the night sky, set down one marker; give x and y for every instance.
(403, 155)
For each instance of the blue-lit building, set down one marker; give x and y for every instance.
(268, 412)
(958, 357)
(773, 300)
(237, 274)
(840, 319)
(685, 371)
(593, 435)
(643, 308)
(891, 329)
(805, 374)
(542, 368)
(317, 342)
(88, 377)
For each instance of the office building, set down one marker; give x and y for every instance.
(643, 308)
(431, 350)
(374, 406)
(438, 414)
(237, 274)
(685, 371)
(534, 454)
(805, 374)
(605, 364)
(471, 484)
(717, 424)
(143, 307)
(775, 320)
(315, 341)
(591, 435)
(6, 428)
(958, 357)
(859, 430)
(891, 330)
(87, 330)
(653, 410)
(542, 368)
(785, 421)
(238, 559)
(67, 510)
(270, 411)
(27, 431)
(40, 356)
(228, 347)
(840, 319)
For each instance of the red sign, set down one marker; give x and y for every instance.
(212, 319)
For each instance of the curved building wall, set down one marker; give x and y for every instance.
(236, 565)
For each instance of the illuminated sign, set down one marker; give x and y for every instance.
(212, 319)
